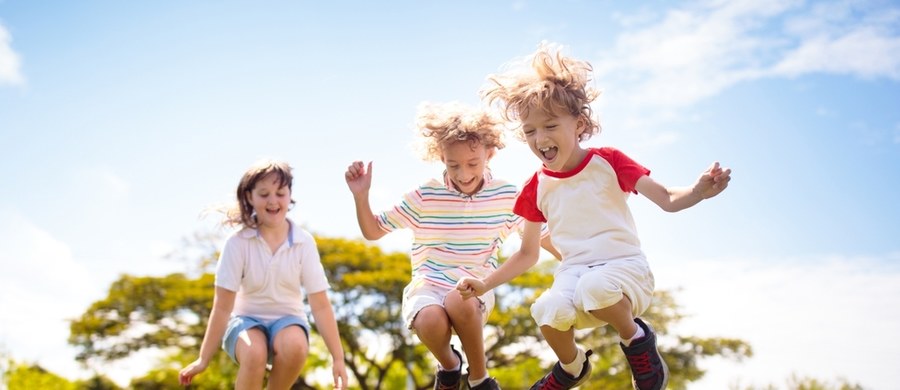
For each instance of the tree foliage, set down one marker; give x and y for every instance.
(169, 313)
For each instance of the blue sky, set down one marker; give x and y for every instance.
(121, 122)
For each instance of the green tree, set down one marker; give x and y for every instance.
(170, 313)
(514, 344)
(21, 376)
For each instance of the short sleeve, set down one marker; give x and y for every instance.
(403, 215)
(230, 268)
(526, 202)
(627, 170)
(312, 273)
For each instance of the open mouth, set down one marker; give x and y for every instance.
(549, 153)
(466, 183)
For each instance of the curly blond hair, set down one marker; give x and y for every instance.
(548, 81)
(441, 124)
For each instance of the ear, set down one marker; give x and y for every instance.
(489, 153)
(580, 126)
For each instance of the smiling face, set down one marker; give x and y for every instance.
(270, 201)
(466, 162)
(554, 138)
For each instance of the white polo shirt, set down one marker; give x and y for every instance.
(268, 285)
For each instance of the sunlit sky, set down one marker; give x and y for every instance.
(120, 122)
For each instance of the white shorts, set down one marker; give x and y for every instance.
(429, 294)
(578, 289)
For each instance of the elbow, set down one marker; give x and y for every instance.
(670, 208)
(372, 235)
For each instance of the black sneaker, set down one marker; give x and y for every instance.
(449, 380)
(487, 384)
(559, 379)
(648, 369)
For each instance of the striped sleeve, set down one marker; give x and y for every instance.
(405, 215)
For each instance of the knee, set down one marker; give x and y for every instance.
(254, 357)
(431, 319)
(290, 347)
(553, 309)
(462, 310)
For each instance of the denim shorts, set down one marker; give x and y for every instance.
(238, 324)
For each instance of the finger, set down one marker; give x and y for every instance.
(369, 168)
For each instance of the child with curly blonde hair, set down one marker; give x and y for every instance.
(581, 194)
(459, 223)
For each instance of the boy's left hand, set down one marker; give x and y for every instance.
(713, 181)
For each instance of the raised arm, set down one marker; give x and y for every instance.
(515, 265)
(712, 182)
(324, 315)
(359, 180)
(223, 303)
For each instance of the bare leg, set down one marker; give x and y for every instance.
(291, 349)
(433, 328)
(468, 321)
(251, 353)
(619, 316)
(562, 343)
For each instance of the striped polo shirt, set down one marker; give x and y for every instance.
(454, 234)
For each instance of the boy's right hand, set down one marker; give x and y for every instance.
(470, 287)
(359, 177)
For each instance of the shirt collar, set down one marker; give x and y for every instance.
(450, 187)
(293, 235)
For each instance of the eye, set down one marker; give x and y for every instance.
(528, 132)
(551, 127)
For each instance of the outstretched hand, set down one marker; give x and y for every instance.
(470, 287)
(359, 177)
(713, 181)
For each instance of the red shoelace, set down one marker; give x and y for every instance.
(552, 384)
(640, 363)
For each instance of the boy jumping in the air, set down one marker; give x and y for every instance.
(581, 194)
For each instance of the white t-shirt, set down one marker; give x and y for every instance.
(586, 208)
(268, 285)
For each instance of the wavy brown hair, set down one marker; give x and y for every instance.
(547, 81)
(440, 124)
(242, 212)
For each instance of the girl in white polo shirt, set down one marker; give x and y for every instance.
(258, 313)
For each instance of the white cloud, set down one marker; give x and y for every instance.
(694, 52)
(10, 64)
(866, 52)
(41, 287)
(825, 317)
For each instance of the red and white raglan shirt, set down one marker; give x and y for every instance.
(586, 208)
